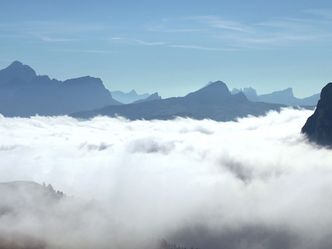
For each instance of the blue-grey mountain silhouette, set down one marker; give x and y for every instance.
(154, 96)
(318, 127)
(284, 97)
(129, 97)
(24, 93)
(249, 92)
(213, 101)
(16, 72)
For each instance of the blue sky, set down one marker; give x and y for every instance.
(173, 46)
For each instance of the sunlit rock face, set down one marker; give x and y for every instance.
(318, 127)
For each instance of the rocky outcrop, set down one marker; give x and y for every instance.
(318, 127)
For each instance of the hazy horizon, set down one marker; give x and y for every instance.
(156, 90)
(173, 47)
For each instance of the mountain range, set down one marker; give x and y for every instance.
(213, 101)
(23, 93)
(154, 96)
(128, 97)
(284, 97)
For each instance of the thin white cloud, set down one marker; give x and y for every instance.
(220, 23)
(306, 30)
(323, 13)
(196, 47)
(137, 41)
(168, 44)
(88, 51)
(149, 43)
(56, 39)
(268, 41)
(280, 33)
(49, 31)
(174, 30)
(49, 27)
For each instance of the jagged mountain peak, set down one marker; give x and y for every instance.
(23, 93)
(216, 89)
(215, 93)
(19, 66)
(17, 70)
(16, 64)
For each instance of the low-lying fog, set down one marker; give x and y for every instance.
(255, 183)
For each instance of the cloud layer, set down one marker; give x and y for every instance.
(255, 183)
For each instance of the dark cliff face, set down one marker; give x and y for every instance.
(318, 127)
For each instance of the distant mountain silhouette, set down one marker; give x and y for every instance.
(213, 101)
(318, 127)
(129, 97)
(16, 72)
(284, 97)
(154, 96)
(24, 93)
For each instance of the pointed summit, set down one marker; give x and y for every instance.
(213, 91)
(217, 85)
(23, 93)
(17, 70)
(16, 64)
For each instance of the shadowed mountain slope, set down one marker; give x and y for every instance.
(213, 101)
(24, 93)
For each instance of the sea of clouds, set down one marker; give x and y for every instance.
(250, 184)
